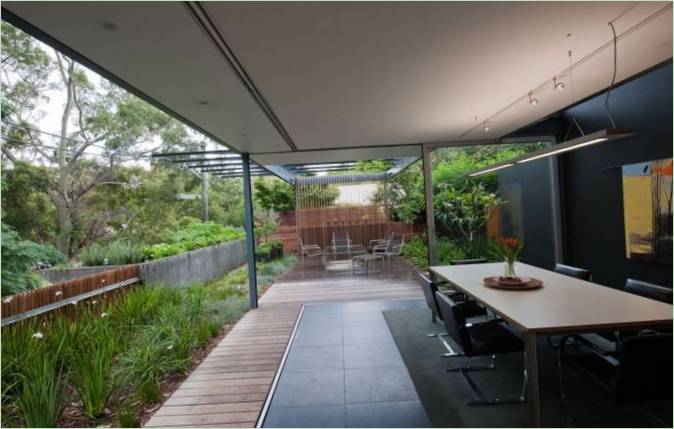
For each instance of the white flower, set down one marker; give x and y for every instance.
(73, 302)
(93, 302)
(104, 314)
(170, 347)
(39, 335)
(58, 293)
(8, 300)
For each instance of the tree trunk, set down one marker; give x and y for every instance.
(65, 225)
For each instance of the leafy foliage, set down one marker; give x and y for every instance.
(274, 193)
(266, 223)
(117, 356)
(92, 362)
(461, 204)
(194, 236)
(18, 258)
(119, 252)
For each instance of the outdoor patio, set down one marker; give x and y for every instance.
(230, 386)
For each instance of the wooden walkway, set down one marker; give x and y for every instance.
(229, 388)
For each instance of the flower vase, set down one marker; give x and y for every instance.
(510, 269)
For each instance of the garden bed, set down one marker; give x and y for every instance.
(117, 360)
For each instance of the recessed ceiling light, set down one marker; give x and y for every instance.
(203, 103)
(109, 26)
(558, 85)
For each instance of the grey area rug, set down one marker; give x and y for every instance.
(443, 394)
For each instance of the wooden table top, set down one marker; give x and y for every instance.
(563, 305)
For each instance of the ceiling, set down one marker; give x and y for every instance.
(356, 80)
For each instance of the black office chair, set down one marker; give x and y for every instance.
(485, 338)
(649, 290)
(568, 270)
(430, 288)
(639, 370)
(575, 272)
(608, 341)
(468, 261)
(620, 351)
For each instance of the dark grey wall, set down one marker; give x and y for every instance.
(592, 181)
(529, 215)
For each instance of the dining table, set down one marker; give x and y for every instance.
(563, 305)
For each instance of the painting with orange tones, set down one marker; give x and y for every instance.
(647, 202)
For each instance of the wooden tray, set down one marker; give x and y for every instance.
(528, 284)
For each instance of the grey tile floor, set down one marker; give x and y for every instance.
(344, 370)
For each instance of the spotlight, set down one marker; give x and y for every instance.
(485, 126)
(557, 85)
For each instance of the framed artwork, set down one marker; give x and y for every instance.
(647, 203)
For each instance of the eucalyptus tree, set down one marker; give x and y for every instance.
(101, 125)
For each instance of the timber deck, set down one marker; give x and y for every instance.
(229, 388)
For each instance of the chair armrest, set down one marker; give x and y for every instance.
(605, 355)
(485, 322)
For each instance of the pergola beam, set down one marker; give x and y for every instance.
(201, 152)
(233, 158)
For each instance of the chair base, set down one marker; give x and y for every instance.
(479, 398)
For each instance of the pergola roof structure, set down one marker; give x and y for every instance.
(301, 83)
(228, 164)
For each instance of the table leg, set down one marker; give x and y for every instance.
(533, 397)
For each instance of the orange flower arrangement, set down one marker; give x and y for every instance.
(509, 249)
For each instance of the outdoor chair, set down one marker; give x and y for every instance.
(485, 338)
(380, 241)
(392, 247)
(340, 239)
(309, 250)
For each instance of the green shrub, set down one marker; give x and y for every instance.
(196, 235)
(93, 255)
(18, 258)
(119, 252)
(269, 251)
(126, 417)
(92, 363)
(38, 398)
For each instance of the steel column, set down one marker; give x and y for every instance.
(250, 230)
(428, 194)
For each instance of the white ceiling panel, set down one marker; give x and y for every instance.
(372, 73)
(342, 75)
(157, 48)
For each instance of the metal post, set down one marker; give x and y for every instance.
(428, 193)
(204, 192)
(204, 196)
(250, 230)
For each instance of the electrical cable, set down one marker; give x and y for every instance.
(615, 71)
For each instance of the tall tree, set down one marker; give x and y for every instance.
(100, 125)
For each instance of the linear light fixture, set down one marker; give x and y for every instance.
(494, 167)
(567, 146)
